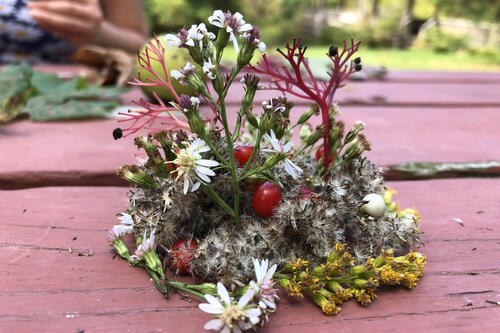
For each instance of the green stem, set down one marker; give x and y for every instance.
(209, 191)
(235, 72)
(252, 160)
(236, 189)
(183, 287)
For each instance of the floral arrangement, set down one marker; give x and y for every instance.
(242, 208)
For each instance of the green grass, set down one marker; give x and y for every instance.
(411, 59)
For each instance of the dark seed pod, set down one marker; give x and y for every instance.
(358, 67)
(333, 51)
(117, 133)
(357, 60)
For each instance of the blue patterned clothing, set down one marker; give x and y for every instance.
(22, 40)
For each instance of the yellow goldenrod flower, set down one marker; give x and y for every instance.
(328, 307)
(389, 192)
(363, 297)
(410, 212)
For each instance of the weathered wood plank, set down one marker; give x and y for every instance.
(442, 77)
(43, 286)
(86, 153)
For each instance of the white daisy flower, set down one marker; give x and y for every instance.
(208, 68)
(231, 316)
(264, 286)
(191, 167)
(278, 147)
(232, 23)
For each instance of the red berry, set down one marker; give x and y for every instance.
(305, 193)
(321, 151)
(242, 154)
(181, 254)
(266, 197)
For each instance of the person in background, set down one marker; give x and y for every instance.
(49, 31)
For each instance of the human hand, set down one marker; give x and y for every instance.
(77, 21)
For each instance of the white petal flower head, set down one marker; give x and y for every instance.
(264, 286)
(208, 68)
(231, 22)
(176, 74)
(126, 226)
(171, 40)
(195, 101)
(231, 316)
(147, 244)
(262, 47)
(292, 169)
(191, 167)
(253, 36)
(127, 221)
(182, 39)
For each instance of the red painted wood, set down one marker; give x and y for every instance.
(45, 288)
(442, 77)
(84, 152)
(398, 94)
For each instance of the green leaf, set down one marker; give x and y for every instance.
(45, 83)
(15, 88)
(42, 109)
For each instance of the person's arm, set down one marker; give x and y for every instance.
(123, 16)
(109, 23)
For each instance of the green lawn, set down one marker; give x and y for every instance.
(410, 59)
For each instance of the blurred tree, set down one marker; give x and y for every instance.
(479, 10)
(278, 20)
(170, 15)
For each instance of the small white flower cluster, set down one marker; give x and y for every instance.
(232, 23)
(147, 244)
(209, 69)
(126, 226)
(191, 167)
(183, 73)
(196, 33)
(246, 312)
(278, 147)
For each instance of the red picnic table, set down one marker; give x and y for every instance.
(59, 196)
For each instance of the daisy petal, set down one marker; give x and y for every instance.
(204, 170)
(195, 186)
(270, 272)
(209, 308)
(203, 176)
(186, 185)
(214, 324)
(224, 295)
(214, 301)
(207, 163)
(245, 27)
(246, 298)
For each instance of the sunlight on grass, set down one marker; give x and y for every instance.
(406, 59)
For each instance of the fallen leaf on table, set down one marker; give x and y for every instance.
(45, 96)
(42, 109)
(15, 88)
(109, 66)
